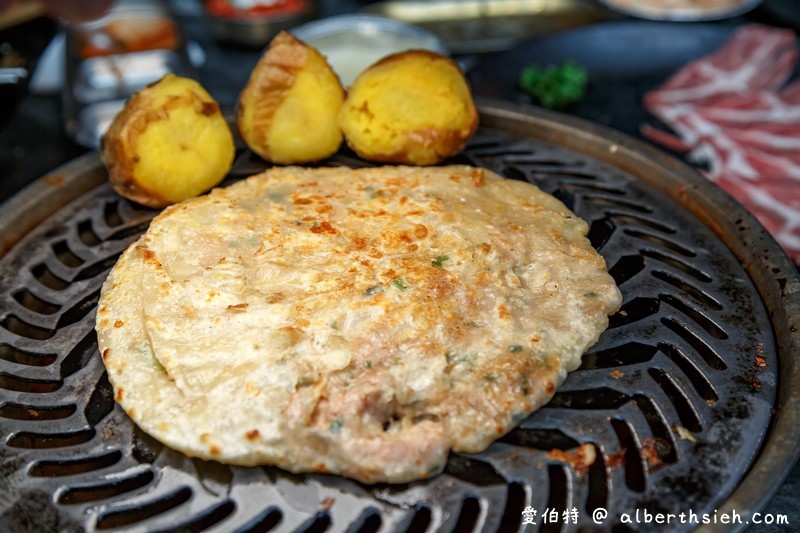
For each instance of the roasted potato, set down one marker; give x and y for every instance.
(170, 142)
(287, 112)
(412, 107)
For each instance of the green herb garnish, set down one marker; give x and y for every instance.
(373, 290)
(455, 359)
(400, 284)
(439, 260)
(555, 87)
(336, 426)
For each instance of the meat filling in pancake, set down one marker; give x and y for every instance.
(359, 322)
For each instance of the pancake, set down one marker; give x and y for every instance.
(357, 322)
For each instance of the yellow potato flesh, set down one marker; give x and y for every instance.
(400, 106)
(304, 126)
(287, 112)
(186, 155)
(169, 143)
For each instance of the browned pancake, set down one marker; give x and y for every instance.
(360, 322)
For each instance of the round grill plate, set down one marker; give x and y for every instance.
(678, 399)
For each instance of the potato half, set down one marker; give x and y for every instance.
(412, 107)
(288, 110)
(170, 142)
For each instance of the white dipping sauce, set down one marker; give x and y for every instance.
(353, 43)
(349, 55)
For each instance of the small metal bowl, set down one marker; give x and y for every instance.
(254, 30)
(351, 43)
(652, 11)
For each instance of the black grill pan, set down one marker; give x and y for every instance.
(689, 400)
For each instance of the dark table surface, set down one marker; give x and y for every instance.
(33, 141)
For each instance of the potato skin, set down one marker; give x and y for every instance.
(170, 142)
(412, 107)
(287, 112)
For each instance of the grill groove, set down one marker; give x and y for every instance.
(33, 440)
(18, 356)
(17, 411)
(133, 514)
(73, 467)
(77, 494)
(30, 301)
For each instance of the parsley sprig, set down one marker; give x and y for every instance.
(555, 86)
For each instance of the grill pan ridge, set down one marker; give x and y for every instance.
(676, 398)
